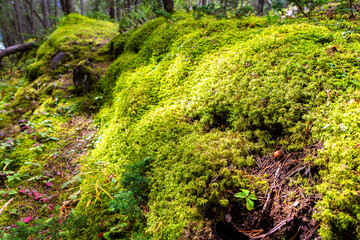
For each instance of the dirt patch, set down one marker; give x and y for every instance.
(283, 212)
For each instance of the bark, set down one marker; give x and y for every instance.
(31, 17)
(118, 10)
(16, 49)
(55, 8)
(70, 6)
(45, 13)
(260, 7)
(111, 6)
(49, 12)
(82, 7)
(20, 20)
(67, 6)
(63, 6)
(169, 5)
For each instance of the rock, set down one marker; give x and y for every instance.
(84, 75)
(56, 60)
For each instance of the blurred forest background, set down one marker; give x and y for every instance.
(21, 20)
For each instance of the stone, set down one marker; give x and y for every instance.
(56, 60)
(85, 75)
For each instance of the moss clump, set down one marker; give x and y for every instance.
(34, 70)
(201, 97)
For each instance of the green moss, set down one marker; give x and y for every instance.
(201, 97)
(35, 70)
(136, 39)
(339, 162)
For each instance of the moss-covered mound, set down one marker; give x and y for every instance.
(201, 99)
(192, 108)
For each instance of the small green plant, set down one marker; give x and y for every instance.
(248, 197)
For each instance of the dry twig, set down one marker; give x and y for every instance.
(6, 204)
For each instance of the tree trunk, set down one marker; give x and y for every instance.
(82, 7)
(49, 12)
(260, 7)
(111, 7)
(169, 5)
(55, 9)
(36, 13)
(20, 21)
(118, 10)
(70, 6)
(31, 18)
(45, 13)
(16, 49)
(63, 6)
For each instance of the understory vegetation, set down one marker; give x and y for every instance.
(180, 112)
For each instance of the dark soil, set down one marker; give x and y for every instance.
(283, 212)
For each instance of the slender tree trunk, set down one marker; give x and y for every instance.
(20, 21)
(55, 9)
(190, 7)
(82, 7)
(260, 7)
(31, 22)
(50, 12)
(36, 13)
(129, 4)
(45, 13)
(111, 7)
(118, 10)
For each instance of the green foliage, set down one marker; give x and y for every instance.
(201, 11)
(306, 7)
(245, 194)
(125, 203)
(55, 228)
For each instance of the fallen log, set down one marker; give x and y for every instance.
(16, 49)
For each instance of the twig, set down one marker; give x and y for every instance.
(6, 204)
(275, 229)
(269, 195)
(311, 232)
